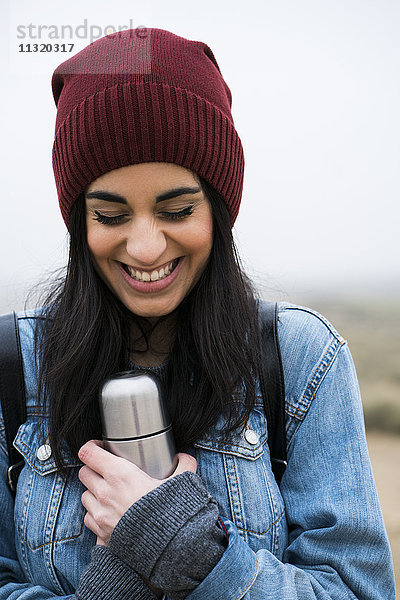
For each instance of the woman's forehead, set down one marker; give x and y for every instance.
(146, 176)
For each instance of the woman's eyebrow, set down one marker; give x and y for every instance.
(177, 192)
(107, 196)
(111, 197)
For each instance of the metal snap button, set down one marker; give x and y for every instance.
(251, 437)
(44, 452)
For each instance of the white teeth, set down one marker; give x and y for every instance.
(154, 275)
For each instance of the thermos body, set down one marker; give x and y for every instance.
(136, 424)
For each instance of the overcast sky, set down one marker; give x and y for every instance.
(316, 96)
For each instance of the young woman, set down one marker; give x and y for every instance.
(149, 173)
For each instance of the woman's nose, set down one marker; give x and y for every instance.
(146, 243)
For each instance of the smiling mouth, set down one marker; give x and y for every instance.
(155, 275)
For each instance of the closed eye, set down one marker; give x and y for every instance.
(104, 220)
(181, 214)
(172, 216)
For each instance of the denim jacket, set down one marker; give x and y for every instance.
(320, 536)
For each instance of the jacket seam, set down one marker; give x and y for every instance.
(320, 372)
(233, 494)
(29, 317)
(27, 452)
(249, 456)
(314, 313)
(262, 532)
(71, 537)
(227, 443)
(297, 410)
(243, 592)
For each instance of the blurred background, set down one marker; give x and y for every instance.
(316, 96)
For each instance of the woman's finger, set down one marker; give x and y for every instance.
(186, 462)
(89, 501)
(91, 524)
(93, 482)
(97, 518)
(85, 475)
(94, 456)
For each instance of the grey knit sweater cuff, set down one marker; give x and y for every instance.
(171, 536)
(108, 578)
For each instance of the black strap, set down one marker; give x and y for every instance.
(12, 391)
(273, 386)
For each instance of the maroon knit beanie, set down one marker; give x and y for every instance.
(144, 95)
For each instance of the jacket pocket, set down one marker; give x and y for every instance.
(236, 470)
(48, 507)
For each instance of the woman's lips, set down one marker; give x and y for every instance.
(151, 286)
(154, 275)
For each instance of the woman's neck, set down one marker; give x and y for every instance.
(160, 336)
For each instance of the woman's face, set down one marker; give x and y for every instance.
(149, 231)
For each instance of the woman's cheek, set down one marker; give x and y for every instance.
(198, 236)
(100, 242)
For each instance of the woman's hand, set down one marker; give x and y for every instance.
(113, 485)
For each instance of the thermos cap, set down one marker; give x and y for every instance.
(131, 406)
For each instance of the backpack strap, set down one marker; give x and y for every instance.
(12, 391)
(273, 386)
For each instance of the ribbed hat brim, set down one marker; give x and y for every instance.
(147, 122)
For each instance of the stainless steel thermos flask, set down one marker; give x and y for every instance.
(135, 422)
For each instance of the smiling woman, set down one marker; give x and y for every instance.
(149, 230)
(149, 173)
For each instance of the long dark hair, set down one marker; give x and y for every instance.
(84, 336)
